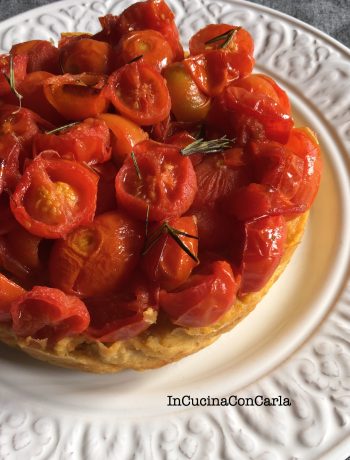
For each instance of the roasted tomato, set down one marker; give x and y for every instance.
(9, 291)
(97, 259)
(7, 221)
(48, 313)
(19, 70)
(77, 97)
(157, 176)
(9, 162)
(86, 142)
(125, 134)
(214, 228)
(124, 315)
(140, 93)
(149, 45)
(165, 262)
(188, 103)
(82, 54)
(264, 241)
(54, 196)
(106, 200)
(42, 55)
(203, 298)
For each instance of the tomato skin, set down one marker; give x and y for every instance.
(97, 259)
(80, 54)
(19, 68)
(77, 97)
(188, 103)
(168, 182)
(262, 253)
(203, 299)
(241, 41)
(9, 291)
(166, 263)
(42, 55)
(213, 228)
(48, 313)
(139, 93)
(9, 162)
(150, 44)
(54, 196)
(125, 134)
(86, 142)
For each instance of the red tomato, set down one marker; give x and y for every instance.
(7, 221)
(23, 248)
(19, 68)
(262, 252)
(241, 40)
(204, 297)
(97, 259)
(9, 162)
(167, 182)
(214, 70)
(9, 292)
(140, 93)
(54, 196)
(77, 97)
(166, 263)
(106, 200)
(42, 55)
(123, 315)
(150, 44)
(86, 142)
(213, 228)
(48, 313)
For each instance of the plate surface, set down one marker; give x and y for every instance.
(295, 344)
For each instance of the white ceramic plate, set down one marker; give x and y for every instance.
(295, 344)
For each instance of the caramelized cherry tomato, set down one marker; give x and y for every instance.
(48, 313)
(54, 196)
(42, 55)
(203, 298)
(188, 103)
(19, 69)
(97, 259)
(262, 252)
(214, 228)
(9, 162)
(150, 44)
(167, 182)
(86, 142)
(166, 263)
(9, 292)
(140, 93)
(77, 97)
(82, 54)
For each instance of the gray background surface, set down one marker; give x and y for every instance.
(330, 16)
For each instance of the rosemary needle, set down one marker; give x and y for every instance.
(12, 82)
(61, 128)
(138, 172)
(212, 146)
(227, 37)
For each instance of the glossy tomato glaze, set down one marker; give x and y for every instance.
(139, 187)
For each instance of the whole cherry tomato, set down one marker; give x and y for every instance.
(203, 298)
(166, 263)
(81, 54)
(140, 93)
(9, 291)
(48, 313)
(159, 177)
(87, 142)
(42, 55)
(54, 196)
(19, 70)
(97, 259)
(77, 97)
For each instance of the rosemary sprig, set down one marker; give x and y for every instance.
(61, 128)
(174, 233)
(206, 147)
(138, 172)
(12, 82)
(147, 221)
(227, 37)
(135, 59)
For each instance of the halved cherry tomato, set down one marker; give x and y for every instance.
(87, 142)
(124, 135)
(42, 55)
(241, 40)
(54, 196)
(48, 313)
(167, 182)
(203, 298)
(188, 103)
(263, 249)
(9, 291)
(81, 54)
(140, 93)
(77, 97)
(97, 259)
(166, 263)
(124, 315)
(19, 69)
(150, 44)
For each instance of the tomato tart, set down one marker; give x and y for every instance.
(149, 198)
